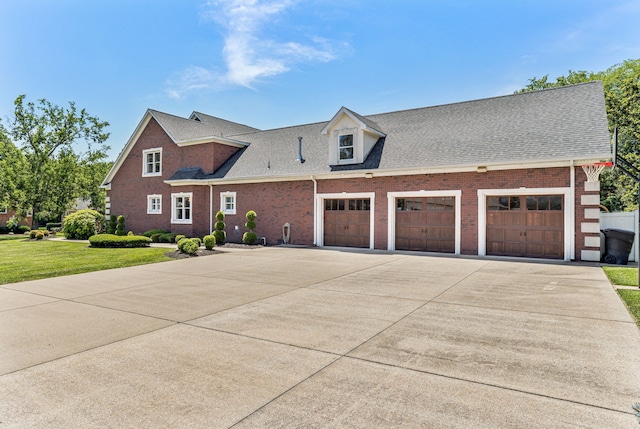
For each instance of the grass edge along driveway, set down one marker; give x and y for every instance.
(626, 276)
(22, 260)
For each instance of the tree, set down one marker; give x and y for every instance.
(13, 168)
(621, 84)
(46, 135)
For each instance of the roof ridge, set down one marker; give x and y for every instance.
(496, 97)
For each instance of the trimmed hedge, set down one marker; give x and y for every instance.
(112, 240)
(154, 231)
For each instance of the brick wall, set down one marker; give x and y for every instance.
(129, 190)
(275, 204)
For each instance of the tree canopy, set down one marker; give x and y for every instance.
(621, 84)
(47, 171)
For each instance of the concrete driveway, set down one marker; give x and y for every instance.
(283, 337)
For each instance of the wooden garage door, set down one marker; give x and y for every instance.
(426, 224)
(347, 222)
(527, 225)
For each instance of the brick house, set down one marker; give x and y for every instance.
(498, 176)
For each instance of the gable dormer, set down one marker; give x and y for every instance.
(350, 137)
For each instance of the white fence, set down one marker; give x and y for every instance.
(622, 220)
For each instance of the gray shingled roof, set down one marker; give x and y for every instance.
(561, 124)
(182, 130)
(567, 123)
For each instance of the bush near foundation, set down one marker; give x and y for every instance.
(209, 242)
(219, 233)
(154, 231)
(112, 240)
(250, 237)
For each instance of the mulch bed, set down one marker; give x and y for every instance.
(176, 254)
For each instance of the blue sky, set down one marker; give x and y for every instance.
(274, 63)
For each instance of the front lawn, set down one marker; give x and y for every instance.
(622, 276)
(632, 299)
(25, 259)
(626, 276)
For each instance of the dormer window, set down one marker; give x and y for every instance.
(350, 137)
(346, 147)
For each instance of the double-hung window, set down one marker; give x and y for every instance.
(181, 207)
(154, 204)
(346, 147)
(228, 202)
(152, 162)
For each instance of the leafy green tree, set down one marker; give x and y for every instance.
(13, 168)
(621, 84)
(47, 135)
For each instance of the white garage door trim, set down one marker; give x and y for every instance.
(319, 217)
(482, 213)
(391, 213)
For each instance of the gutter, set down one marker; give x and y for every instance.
(315, 210)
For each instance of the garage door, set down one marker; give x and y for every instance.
(527, 225)
(347, 222)
(426, 224)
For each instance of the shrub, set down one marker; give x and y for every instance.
(111, 226)
(154, 231)
(219, 233)
(190, 246)
(83, 224)
(4, 230)
(179, 237)
(120, 226)
(39, 235)
(181, 242)
(209, 242)
(168, 237)
(112, 240)
(51, 226)
(156, 237)
(23, 229)
(32, 234)
(130, 233)
(250, 237)
(220, 236)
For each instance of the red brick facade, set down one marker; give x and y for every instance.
(277, 203)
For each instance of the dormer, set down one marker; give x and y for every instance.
(350, 137)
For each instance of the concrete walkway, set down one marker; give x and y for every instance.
(282, 337)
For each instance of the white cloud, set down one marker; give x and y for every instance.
(251, 52)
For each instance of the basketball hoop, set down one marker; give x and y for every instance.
(593, 170)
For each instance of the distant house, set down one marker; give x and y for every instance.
(498, 176)
(6, 214)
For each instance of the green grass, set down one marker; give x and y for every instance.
(622, 276)
(626, 276)
(4, 237)
(631, 298)
(22, 260)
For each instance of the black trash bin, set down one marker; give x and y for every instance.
(617, 244)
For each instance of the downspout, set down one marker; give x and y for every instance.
(572, 209)
(210, 208)
(315, 207)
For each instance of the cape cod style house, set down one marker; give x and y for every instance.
(498, 176)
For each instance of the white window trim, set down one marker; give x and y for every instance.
(391, 213)
(174, 197)
(223, 205)
(319, 217)
(482, 213)
(144, 162)
(149, 198)
(4, 210)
